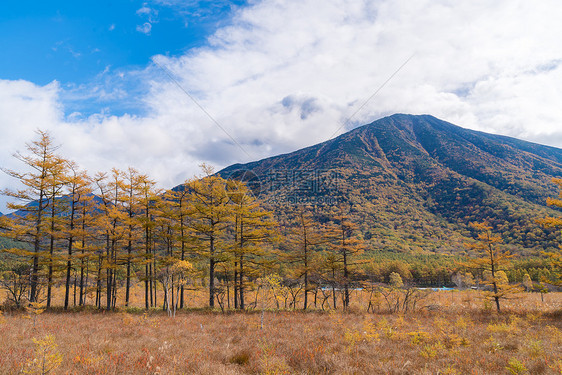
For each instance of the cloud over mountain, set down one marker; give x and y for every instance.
(281, 75)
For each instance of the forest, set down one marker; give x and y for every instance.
(206, 278)
(98, 237)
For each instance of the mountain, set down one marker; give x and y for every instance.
(415, 183)
(62, 202)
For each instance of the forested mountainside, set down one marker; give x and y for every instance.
(414, 183)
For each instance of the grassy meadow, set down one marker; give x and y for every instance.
(450, 333)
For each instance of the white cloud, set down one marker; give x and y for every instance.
(24, 107)
(145, 28)
(337, 53)
(287, 74)
(148, 13)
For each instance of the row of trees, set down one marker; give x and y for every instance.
(492, 260)
(115, 229)
(104, 233)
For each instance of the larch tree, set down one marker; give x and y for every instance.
(347, 246)
(490, 258)
(395, 280)
(149, 198)
(100, 223)
(331, 269)
(166, 232)
(173, 276)
(555, 256)
(28, 222)
(111, 222)
(210, 215)
(132, 185)
(253, 227)
(527, 282)
(57, 210)
(305, 235)
(86, 242)
(79, 193)
(180, 207)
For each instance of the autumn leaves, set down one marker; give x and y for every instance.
(103, 234)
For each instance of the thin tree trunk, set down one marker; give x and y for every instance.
(82, 260)
(75, 284)
(34, 277)
(242, 305)
(182, 232)
(68, 269)
(69, 261)
(98, 282)
(85, 294)
(334, 287)
(236, 305)
(212, 273)
(109, 274)
(495, 285)
(241, 276)
(81, 290)
(51, 252)
(128, 281)
(346, 282)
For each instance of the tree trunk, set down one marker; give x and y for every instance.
(69, 261)
(305, 274)
(109, 275)
(346, 281)
(34, 277)
(212, 272)
(98, 282)
(241, 277)
(128, 281)
(74, 294)
(182, 255)
(51, 252)
(68, 269)
(236, 305)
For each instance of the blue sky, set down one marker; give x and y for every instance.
(249, 80)
(86, 43)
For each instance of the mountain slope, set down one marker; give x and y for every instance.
(415, 182)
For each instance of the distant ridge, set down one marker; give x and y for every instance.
(415, 182)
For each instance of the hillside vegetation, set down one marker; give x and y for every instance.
(415, 183)
(405, 201)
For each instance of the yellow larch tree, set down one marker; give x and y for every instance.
(555, 256)
(53, 220)
(179, 208)
(490, 258)
(77, 201)
(304, 236)
(32, 202)
(347, 245)
(133, 189)
(253, 229)
(111, 222)
(210, 215)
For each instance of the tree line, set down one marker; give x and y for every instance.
(101, 233)
(107, 233)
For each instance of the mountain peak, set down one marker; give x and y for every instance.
(406, 172)
(408, 121)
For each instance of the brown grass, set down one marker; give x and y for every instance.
(457, 338)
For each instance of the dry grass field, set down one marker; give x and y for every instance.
(457, 336)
